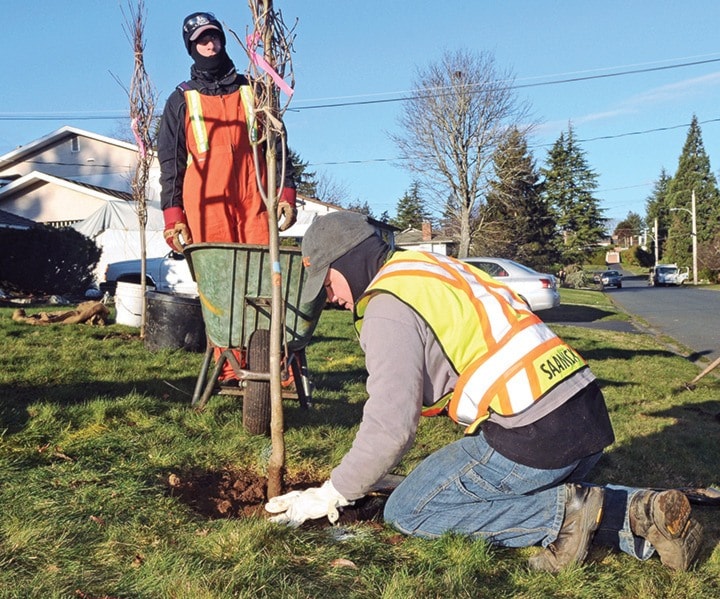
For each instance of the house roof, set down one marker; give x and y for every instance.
(305, 203)
(13, 221)
(34, 177)
(415, 236)
(22, 153)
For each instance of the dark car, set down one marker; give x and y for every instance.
(611, 278)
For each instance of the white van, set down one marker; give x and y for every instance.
(668, 274)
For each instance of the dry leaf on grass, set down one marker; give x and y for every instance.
(341, 562)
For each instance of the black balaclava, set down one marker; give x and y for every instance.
(360, 264)
(216, 66)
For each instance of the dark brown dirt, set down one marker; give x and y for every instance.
(243, 493)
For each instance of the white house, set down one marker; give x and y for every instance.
(76, 178)
(73, 177)
(423, 240)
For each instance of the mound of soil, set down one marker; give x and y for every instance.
(243, 493)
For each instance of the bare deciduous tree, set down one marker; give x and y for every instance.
(330, 190)
(269, 71)
(461, 110)
(143, 100)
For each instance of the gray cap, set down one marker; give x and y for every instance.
(327, 239)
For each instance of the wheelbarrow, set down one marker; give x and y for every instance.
(235, 290)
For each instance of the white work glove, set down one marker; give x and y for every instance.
(294, 508)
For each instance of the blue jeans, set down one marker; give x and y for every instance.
(468, 488)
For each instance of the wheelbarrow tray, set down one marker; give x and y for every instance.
(234, 283)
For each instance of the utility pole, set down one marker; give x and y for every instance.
(694, 239)
(657, 242)
(693, 216)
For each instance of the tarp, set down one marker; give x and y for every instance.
(116, 230)
(119, 215)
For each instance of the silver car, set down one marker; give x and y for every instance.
(538, 290)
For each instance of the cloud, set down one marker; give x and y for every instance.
(680, 91)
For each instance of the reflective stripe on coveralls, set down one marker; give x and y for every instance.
(222, 195)
(514, 360)
(195, 113)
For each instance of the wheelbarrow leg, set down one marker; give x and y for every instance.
(203, 374)
(298, 363)
(210, 386)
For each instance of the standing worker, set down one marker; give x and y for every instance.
(441, 337)
(209, 133)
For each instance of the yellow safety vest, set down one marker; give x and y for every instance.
(197, 119)
(505, 356)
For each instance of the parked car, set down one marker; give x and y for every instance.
(168, 274)
(611, 278)
(668, 274)
(538, 290)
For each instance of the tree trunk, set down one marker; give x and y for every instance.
(276, 465)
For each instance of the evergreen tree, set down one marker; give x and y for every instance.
(693, 174)
(411, 211)
(517, 221)
(568, 190)
(628, 230)
(305, 179)
(656, 207)
(361, 207)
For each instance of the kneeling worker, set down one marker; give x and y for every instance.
(441, 337)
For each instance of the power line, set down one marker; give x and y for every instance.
(417, 94)
(589, 139)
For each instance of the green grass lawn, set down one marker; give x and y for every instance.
(94, 427)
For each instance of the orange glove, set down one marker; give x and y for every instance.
(286, 208)
(177, 233)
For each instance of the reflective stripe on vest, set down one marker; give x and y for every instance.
(507, 358)
(197, 119)
(248, 100)
(195, 113)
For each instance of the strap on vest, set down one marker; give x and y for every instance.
(192, 97)
(197, 120)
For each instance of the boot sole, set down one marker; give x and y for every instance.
(676, 537)
(671, 512)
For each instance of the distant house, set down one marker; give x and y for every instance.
(79, 155)
(107, 216)
(310, 209)
(424, 240)
(76, 178)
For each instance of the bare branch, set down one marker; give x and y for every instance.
(143, 100)
(451, 129)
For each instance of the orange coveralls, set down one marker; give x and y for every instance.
(221, 197)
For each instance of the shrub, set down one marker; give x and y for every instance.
(636, 256)
(577, 278)
(45, 260)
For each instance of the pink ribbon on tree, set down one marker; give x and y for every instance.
(138, 139)
(260, 62)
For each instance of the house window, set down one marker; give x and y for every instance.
(75, 144)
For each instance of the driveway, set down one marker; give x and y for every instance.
(687, 314)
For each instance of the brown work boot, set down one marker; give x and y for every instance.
(583, 512)
(663, 519)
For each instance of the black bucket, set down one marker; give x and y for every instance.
(174, 321)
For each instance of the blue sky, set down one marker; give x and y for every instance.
(62, 58)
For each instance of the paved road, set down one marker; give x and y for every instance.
(688, 314)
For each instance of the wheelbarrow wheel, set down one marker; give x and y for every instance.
(256, 401)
